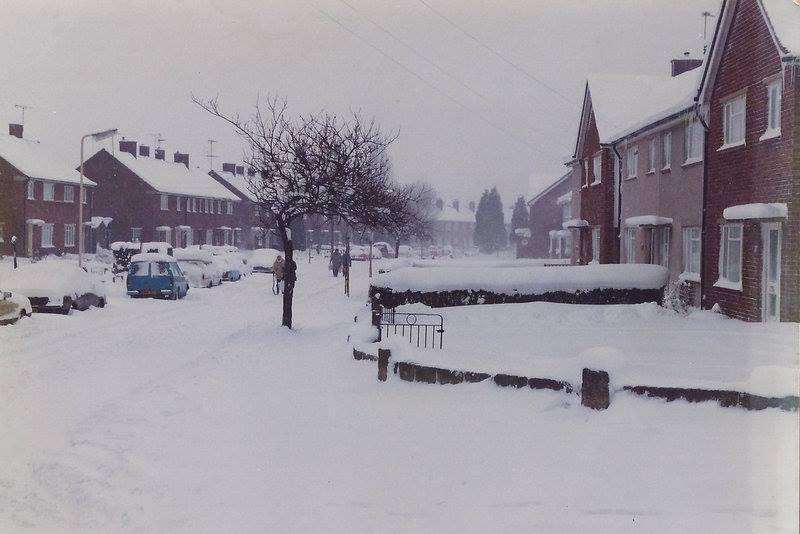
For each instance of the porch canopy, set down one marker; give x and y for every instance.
(756, 211)
(648, 220)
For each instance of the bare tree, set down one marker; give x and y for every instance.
(317, 164)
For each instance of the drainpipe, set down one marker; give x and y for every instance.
(703, 216)
(618, 179)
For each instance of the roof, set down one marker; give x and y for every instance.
(784, 17)
(624, 104)
(450, 214)
(549, 188)
(239, 182)
(174, 178)
(36, 160)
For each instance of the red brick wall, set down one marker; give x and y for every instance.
(760, 171)
(544, 215)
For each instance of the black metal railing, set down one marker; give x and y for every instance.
(423, 328)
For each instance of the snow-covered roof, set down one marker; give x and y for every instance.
(550, 187)
(37, 160)
(756, 211)
(648, 220)
(175, 178)
(566, 197)
(784, 15)
(239, 182)
(450, 214)
(152, 256)
(624, 104)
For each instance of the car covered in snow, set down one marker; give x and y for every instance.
(57, 286)
(156, 247)
(199, 267)
(406, 251)
(232, 262)
(361, 253)
(387, 250)
(13, 307)
(261, 259)
(151, 274)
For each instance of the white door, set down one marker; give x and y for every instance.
(771, 285)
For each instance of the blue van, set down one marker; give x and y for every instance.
(156, 275)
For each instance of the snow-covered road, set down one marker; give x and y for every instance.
(203, 415)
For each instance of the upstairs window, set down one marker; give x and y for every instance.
(651, 156)
(693, 142)
(666, 150)
(31, 190)
(596, 244)
(632, 157)
(84, 196)
(177, 203)
(733, 122)
(69, 194)
(773, 110)
(597, 167)
(219, 206)
(47, 236)
(229, 208)
(164, 202)
(49, 191)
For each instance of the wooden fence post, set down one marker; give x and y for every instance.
(375, 303)
(594, 389)
(383, 364)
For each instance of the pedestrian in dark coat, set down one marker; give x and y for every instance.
(346, 261)
(336, 262)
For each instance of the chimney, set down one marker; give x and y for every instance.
(160, 154)
(251, 171)
(684, 64)
(471, 205)
(15, 130)
(455, 204)
(240, 170)
(182, 158)
(229, 167)
(128, 146)
(144, 151)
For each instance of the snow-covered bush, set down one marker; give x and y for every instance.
(676, 297)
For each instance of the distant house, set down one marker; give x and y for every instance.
(453, 225)
(751, 102)
(151, 199)
(249, 232)
(39, 199)
(547, 211)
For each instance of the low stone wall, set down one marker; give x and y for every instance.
(389, 298)
(594, 388)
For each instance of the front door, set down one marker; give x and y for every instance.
(771, 276)
(29, 240)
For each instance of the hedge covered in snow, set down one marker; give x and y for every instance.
(458, 286)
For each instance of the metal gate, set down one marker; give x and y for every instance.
(424, 329)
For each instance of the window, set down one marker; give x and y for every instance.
(31, 190)
(666, 150)
(659, 245)
(164, 202)
(2, 233)
(597, 168)
(596, 244)
(84, 196)
(651, 155)
(693, 142)
(206, 206)
(219, 207)
(229, 207)
(190, 204)
(47, 236)
(632, 161)
(69, 194)
(733, 122)
(773, 110)
(566, 211)
(177, 203)
(630, 244)
(136, 235)
(49, 191)
(691, 251)
(730, 257)
(69, 235)
(209, 237)
(585, 172)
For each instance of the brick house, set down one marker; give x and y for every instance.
(151, 199)
(750, 99)
(547, 212)
(250, 227)
(453, 225)
(39, 200)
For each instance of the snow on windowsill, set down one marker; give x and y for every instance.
(629, 177)
(770, 134)
(596, 182)
(775, 210)
(666, 169)
(689, 277)
(691, 161)
(726, 146)
(651, 171)
(727, 284)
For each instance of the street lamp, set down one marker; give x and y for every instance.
(96, 136)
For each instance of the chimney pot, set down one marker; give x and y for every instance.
(180, 157)
(144, 151)
(15, 130)
(240, 170)
(159, 153)
(229, 167)
(128, 146)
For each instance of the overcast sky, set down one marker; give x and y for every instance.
(481, 93)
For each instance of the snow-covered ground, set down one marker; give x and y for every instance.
(202, 415)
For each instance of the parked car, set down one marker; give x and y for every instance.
(232, 262)
(13, 307)
(406, 251)
(151, 274)
(261, 259)
(387, 250)
(57, 286)
(199, 267)
(361, 253)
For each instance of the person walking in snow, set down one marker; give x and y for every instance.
(336, 262)
(278, 270)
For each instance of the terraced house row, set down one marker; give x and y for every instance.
(698, 171)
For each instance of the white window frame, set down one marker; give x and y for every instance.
(164, 202)
(177, 203)
(692, 142)
(84, 195)
(69, 235)
(49, 192)
(631, 162)
(651, 155)
(733, 111)
(692, 250)
(229, 207)
(660, 238)
(71, 196)
(596, 244)
(666, 151)
(2, 232)
(31, 190)
(726, 244)
(597, 168)
(47, 235)
(629, 239)
(774, 99)
(136, 235)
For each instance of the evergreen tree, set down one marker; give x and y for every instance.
(519, 217)
(490, 231)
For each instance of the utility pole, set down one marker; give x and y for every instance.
(706, 15)
(210, 154)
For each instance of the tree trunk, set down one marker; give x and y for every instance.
(397, 247)
(288, 286)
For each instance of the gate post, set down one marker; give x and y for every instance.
(375, 303)
(383, 364)
(594, 389)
